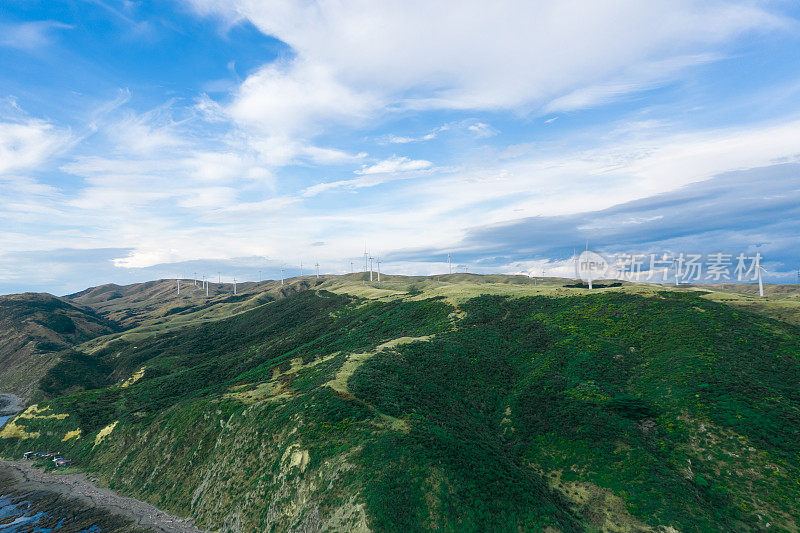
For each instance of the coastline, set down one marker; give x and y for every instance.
(20, 477)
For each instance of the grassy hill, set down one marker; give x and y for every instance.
(34, 329)
(462, 403)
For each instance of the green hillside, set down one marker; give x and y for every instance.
(34, 329)
(453, 404)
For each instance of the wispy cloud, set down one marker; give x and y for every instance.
(29, 143)
(395, 164)
(391, 169)
(31, 36)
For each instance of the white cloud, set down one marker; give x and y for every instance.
(394, 165)
(31, 36)
(392, 169)
(28, 144)
(636, 78)
(394, 139)
(145, 133)
(354, 61)
(284, 105)
(482, 130)
(501, 54)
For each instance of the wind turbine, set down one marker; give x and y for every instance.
(195, 280)
(301, 268)
(205, 282)
(281, 275)
(370, 268)
(760, 283)
(379, 270)
(449, 264)
(366, 257)
(317, 266)
(675, 268)
(179, 286)
(575, 262)
(234, 286)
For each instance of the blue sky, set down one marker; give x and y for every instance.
(157, 139)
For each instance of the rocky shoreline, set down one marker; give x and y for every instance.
(82, 503)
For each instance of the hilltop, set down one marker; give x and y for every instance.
(457, 402)
(34, 328)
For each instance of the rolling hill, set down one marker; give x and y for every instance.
(34, 329)
(460, 403)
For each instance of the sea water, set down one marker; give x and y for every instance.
(20, 517)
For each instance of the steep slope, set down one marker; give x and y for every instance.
(33, 328)
(611, 410)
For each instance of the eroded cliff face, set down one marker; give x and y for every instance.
(239, 469)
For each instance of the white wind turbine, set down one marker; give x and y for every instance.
(675, 269)
(234, 286)
(281, 275)
(379, 270)
(317, 267)
(761, 283)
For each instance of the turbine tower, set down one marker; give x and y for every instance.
(366, 257)
(379, 270)
(301, 268)
(281, 275)
(195, 280)
(449, 264)
(179, 286)
(317, 266)
(234, 286)
(370, 268)
(675, 268)
(575, 262)
(760, 283)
